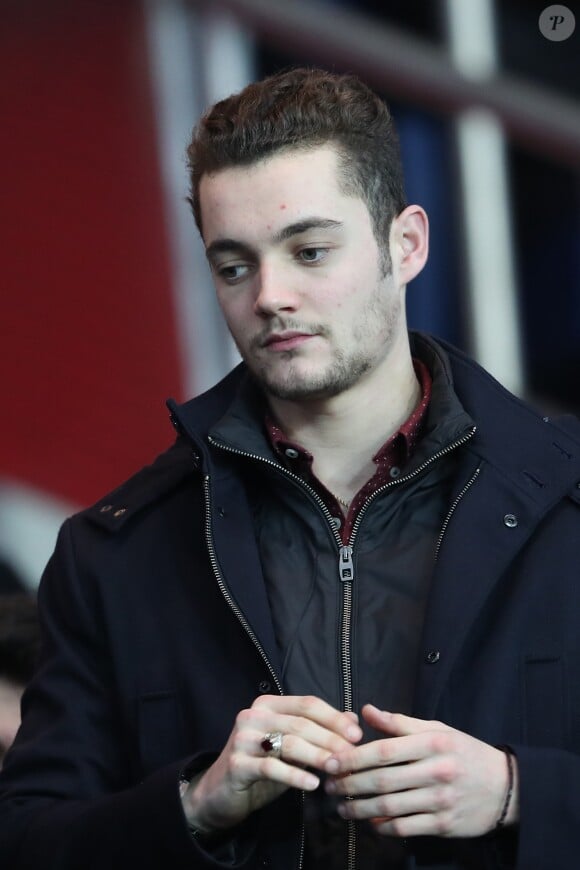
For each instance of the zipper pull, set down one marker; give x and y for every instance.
(345, 565)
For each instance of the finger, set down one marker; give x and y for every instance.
(385, 780)
(314, 710)
(247, 769)
(381, 753)
(432, 801)
(297, 726)
(420, 825)
(294, 749)
(397, 724)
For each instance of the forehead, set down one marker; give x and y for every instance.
(266, 195)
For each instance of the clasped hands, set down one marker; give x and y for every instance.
(421, 778)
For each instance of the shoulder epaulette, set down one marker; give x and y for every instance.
(148, 485)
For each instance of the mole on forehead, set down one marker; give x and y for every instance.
(282, 206)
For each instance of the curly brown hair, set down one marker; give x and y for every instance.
(302, 109)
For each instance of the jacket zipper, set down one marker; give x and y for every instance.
(225, 591)
(244, 623)
(460, 495)
(346, 576)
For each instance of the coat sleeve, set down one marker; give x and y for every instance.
(67, 795)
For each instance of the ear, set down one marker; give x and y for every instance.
(409, 243)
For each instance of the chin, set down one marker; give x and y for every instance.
(308, 388)
(293, 382)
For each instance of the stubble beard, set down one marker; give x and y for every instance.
(296, 386)
(343, 371)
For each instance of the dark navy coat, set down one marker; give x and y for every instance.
(158, 631)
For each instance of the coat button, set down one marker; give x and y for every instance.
(265, 687)
(291, 453)
(510, 520)
(433, 656)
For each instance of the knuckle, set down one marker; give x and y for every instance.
(446, 771)
(444, 798)
(440, 742)
(384, 750)
(385, 805)
(399, 827)
(382, 780)
(444, 824)
(307, 704)
(243, 717)
(338, 744)
(301, 725)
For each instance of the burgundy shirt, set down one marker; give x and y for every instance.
(389, 459)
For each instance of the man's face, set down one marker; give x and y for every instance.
(298, 275)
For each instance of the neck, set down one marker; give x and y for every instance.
(344, 432)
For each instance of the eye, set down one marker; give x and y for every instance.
(233, 274)
(312, 255)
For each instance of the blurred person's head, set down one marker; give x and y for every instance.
(10, 581)
(303, 109)
(19, 647)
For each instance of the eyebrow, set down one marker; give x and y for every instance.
(221, 246)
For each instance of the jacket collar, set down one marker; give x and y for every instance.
(537, 455)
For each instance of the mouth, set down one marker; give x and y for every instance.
(280, 341)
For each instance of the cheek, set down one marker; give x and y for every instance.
(239, 315)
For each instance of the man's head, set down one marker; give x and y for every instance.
(304, 109)
(297, 189)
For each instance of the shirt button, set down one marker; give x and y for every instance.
(395, 471)
(291, 453)
(336, 522)
(510, 520)
(433, 656)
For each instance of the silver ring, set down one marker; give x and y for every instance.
(271, 743)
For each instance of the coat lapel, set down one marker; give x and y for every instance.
(238, 559)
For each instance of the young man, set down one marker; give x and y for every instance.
(336, 623)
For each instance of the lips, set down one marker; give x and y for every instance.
(286, 340)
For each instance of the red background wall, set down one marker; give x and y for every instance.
(87, 349)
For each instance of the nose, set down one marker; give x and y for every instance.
(274, 292)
